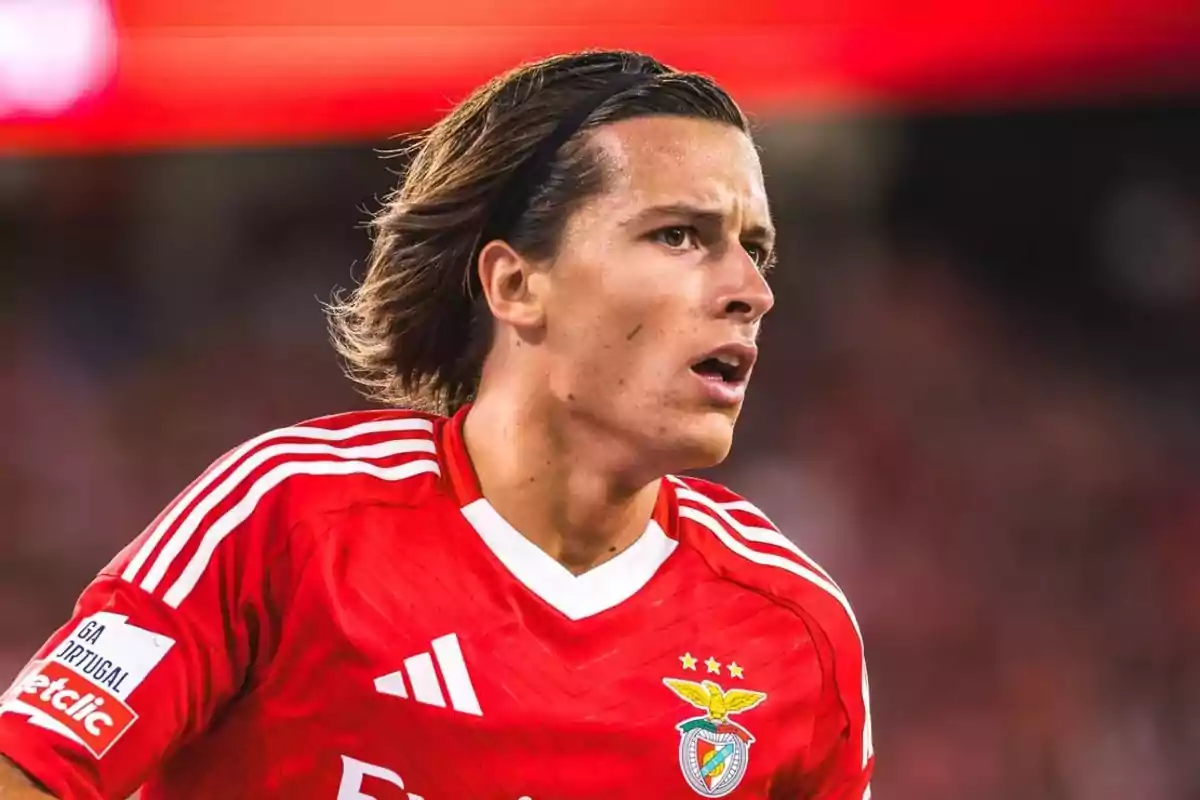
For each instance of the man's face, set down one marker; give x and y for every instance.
(657, 292)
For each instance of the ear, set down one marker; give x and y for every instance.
(511, 285)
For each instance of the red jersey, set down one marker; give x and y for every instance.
(333, 610)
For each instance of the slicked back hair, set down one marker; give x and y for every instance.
(415, 332)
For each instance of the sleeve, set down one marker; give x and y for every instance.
(167, 635)
(841, 758)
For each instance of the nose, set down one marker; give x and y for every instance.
(748, 296)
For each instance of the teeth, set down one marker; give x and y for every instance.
(728, 361)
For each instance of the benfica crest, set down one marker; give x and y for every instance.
(713, 750)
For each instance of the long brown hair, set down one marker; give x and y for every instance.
(415, 332)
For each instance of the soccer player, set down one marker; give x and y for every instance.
(520, 599)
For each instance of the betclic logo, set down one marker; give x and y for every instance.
(82, 690)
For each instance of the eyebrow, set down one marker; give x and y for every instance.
(763, 234)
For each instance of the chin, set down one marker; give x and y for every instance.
(702, 442)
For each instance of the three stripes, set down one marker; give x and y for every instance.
(249, 472)
(422, 675)
(232, 477)
(731, 532)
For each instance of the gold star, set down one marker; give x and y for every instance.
(689, 661)
(735, 671)
(714, 666)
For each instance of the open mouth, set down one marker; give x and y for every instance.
(729, 365)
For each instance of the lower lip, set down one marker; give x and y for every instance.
(720, 392)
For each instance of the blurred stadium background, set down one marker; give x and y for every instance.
(979, 405)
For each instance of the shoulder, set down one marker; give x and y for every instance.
(248, 502)
(741, 544)
(324, 464)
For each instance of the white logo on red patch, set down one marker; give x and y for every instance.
(81, 691)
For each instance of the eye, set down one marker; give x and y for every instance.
(677, 237)
(760, 255)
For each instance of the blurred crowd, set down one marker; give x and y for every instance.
(1018, 538)
(1014, 514)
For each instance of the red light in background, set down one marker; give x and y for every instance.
(194, 73)
(53, 53)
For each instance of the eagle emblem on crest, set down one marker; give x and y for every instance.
(714, 751)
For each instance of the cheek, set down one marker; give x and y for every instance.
(626, 330)
(645, 347)
(605, 315)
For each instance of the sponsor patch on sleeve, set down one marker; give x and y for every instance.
(81, 691)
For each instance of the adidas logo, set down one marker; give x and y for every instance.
(421, 674)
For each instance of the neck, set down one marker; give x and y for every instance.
(561, 485)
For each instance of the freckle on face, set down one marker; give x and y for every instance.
(628, 314)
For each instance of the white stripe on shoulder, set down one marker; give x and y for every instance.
(868, 735)
(769, 559)
(773, 560)
(298, 431)
(238, 514)
(749, 532)
(747, 506)
(192, 521)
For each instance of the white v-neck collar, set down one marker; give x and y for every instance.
(576, 596)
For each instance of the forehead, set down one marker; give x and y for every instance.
(665, 160)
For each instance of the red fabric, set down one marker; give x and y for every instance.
(268, 688)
